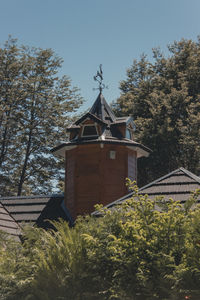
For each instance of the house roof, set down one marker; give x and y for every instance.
(36, 209)
(8, 223)
(177, 185)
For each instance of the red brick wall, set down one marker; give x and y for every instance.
(93, 177)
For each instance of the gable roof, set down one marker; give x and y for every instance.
(8, 224)
(36, 209)
(178, 185)
(89, 116)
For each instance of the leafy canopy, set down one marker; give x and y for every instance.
(35, 108)
(143, 249)
(163, 96)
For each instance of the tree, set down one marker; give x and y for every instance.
(35, 108)
(133, 252)
(163, 96)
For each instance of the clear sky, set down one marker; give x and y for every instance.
(86, 33)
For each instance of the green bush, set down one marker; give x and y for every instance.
(142, 249)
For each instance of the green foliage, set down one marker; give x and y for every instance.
(163, 96)
(35, 109)
(143, 249)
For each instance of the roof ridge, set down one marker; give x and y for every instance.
(190, 174)
(169, 174)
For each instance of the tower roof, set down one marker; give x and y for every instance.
(102, 110)
(110, 130)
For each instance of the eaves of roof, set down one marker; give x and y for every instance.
(110, 140)
(122, 120)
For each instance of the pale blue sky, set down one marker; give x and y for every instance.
(86, 33)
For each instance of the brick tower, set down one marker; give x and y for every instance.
(100, 154)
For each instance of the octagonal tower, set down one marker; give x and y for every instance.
(100, 154)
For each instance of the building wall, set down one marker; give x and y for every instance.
(94, 175)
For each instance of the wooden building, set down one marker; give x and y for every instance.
(100, 154)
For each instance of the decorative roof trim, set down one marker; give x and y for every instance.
(90, 116)
(140, 151)
(121, 121)
(60, 150)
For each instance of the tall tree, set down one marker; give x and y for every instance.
(35, 108)
(163, 96)
(9, 100)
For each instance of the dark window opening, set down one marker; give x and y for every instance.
(89, 131)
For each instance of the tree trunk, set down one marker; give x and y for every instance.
(23, 173)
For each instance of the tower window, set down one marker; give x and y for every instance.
(129, 133)
(89, 130)
(112, 154)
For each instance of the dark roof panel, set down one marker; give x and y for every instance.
(36, 209)
(101, 113)
(25, 208)
(8, 224)
(102, 110)
(91, 116)
(26, 217)
(178, 185)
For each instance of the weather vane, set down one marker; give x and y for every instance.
(99, 79)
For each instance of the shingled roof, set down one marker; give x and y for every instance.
(177, 185)
(36, 209)
(8, 224)
(102, 113)
(102, 110)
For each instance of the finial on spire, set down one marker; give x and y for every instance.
(99, 79)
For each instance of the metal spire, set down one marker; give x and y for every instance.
(99, 79)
